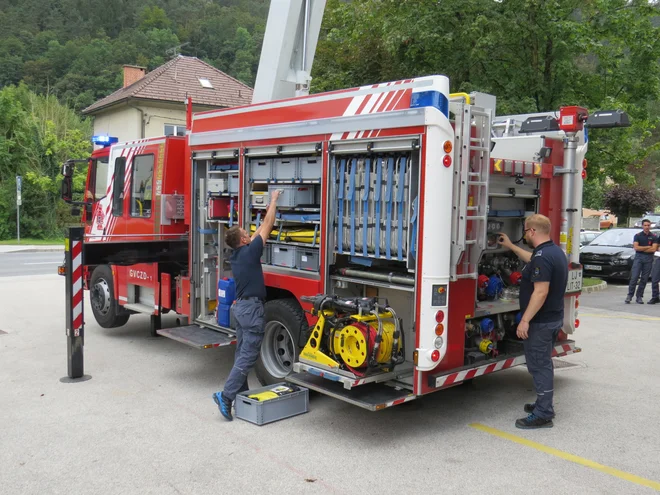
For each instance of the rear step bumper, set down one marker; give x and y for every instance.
(448, 379)
(371, 396)
(198, 337)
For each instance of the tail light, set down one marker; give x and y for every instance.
(440, 316)
(447, 146)
(435, 356)
(577, 323)
(439, 329)
(446, 161)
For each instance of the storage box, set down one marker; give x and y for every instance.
(285, 169)
(219, 208)
(310, 168)
(217, 186)
(265, 255)
(261, 169)
(283, 256)
(293, 195)
(287, 401)
(259, 199)
(307, 259)
(233, 184)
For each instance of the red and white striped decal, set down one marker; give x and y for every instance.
(77, 288)
(460, 376)
(396, 402)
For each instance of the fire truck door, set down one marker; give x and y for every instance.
(97, 186)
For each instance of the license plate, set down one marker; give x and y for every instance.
(593, 268)
(574, 281)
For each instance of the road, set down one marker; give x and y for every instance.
(145, 422)
(21, 264)
(612, 299)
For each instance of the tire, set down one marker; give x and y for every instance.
(107, 313)
(285, 322)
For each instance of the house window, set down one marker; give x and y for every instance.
(142, 186)
(175, 130)
(205, 83)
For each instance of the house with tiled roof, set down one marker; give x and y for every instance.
(153, 104)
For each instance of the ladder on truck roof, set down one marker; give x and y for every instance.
(470, 189)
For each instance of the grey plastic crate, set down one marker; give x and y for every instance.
(261, 168)
(268, 411)
(307, 259)
(285, 168)
(293, 195)
(265, 255)
(310, 167)
(283, 256)
(233, 184)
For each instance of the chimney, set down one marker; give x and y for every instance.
(133, 73)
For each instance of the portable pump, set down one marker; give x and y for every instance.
(359, 335)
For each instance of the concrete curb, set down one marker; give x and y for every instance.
(31, 249)
(595, 288)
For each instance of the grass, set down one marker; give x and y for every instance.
(25, 242)
(588, 282)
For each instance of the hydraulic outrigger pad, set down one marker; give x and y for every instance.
(75, 323)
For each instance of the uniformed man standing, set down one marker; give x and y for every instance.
(542, 291)
(249, 307)
(645, 243)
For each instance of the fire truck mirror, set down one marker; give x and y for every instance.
(67, 188)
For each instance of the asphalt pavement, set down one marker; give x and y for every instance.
(612, 299)
(30, 263)
(145, 422)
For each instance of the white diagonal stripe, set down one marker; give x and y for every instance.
(77, 310)
(77, 261)
(77, 285)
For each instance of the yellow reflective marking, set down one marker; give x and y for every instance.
(569, 457)
(537, 169)
(66, 244)
(497, 165)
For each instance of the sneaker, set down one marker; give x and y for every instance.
(639, 300)
(628, 299)
(529, 408)
(224, 405)
(533, 422)
(654, 300)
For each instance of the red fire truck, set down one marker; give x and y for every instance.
(385, 280)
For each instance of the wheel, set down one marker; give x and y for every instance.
(107, 312)
(285, 323)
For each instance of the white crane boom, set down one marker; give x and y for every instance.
(287, 55)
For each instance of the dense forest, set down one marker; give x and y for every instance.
(59, 56)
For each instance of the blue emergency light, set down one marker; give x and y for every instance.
(104, 140)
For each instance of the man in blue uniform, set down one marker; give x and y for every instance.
(249, 308)
(542, 291)
(645, 243)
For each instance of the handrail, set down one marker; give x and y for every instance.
(461, 95)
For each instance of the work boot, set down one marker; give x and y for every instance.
(529, 408)
(628, 299)
(533, 422)
(639, 300)
(224, 405)
(654, 300)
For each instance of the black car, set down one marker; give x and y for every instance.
(610, 255)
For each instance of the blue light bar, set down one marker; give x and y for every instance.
(430, 99)
(104, 140)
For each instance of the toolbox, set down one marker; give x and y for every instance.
(307, 259)
(271, 403)
(293, 195)
(259, 199)
(217, 186)
(310, 168)
(285, 169)
(233, 184)
(283, 256)
(261, 169)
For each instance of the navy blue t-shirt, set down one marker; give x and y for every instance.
(548, 264)
(246, 268)
(644, 240)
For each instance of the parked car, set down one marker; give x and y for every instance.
(610, 255)
(655, 221)
(586, 236)
(606, 221)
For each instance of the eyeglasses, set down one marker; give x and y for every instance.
(525, 230)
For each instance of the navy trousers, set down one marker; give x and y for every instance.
(249, 336)
(641, 270)
(538, 353)
(655, 278)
